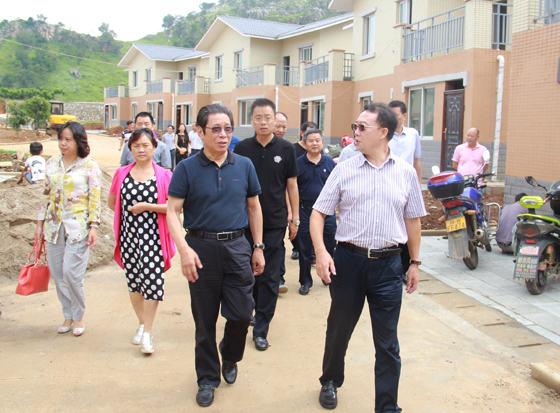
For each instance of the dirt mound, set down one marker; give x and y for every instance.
(8, 135)
(18, 215)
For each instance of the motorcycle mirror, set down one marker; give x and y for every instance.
(435, 170)
(531, 181)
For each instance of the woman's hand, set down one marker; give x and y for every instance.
(92, 237)
(39, 235)
(138, 208)
(182, 151)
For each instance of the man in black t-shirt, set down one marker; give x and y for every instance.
(275, 162)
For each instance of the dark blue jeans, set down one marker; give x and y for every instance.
(306, 245)
(379, 281)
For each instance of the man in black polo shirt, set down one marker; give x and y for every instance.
(275, 162)
(314, 169)
(218, 192)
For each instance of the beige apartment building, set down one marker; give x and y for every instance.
(453, 62)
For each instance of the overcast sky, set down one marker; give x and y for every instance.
(129, 20)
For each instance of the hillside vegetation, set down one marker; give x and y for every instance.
(36, 54)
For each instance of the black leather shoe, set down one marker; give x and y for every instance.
(304, 290)
(261, 343)
(229, 368)
(327, 397)
(205, 395)
(295, 255)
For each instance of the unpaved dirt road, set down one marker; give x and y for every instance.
(458, 355)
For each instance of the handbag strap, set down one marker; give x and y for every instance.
(34, 249)
(38, 251)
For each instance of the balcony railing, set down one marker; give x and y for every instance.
(439, 33)
(501, 26)
(348, 64)
(185, 87)
(252, 76)
(206, 88)
(549, 11)
(287, 75)
(155, 86)
(113, 92)
(317, 71)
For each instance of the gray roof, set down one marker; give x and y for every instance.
(170, 53)
(274, 30)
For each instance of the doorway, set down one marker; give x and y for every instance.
(452, 126)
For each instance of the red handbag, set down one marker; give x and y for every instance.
(34, 278)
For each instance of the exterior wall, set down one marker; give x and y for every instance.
(85, 111)
(140, 62)
(478, 24)
(534, 123)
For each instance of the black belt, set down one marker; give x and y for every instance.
(220, 236)
(370, 253)
(307, 204)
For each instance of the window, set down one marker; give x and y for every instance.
(365, 102)
(113, 112)
(180, 75)
(421, 110)
(219, 68)
(148, 75)
(305, 53)
(134, 110)
(245, 112)
(318, 113)
(403, 15)
(369, 34)
(238, 60)
(192, 72)
(152, 108)
(135, 78)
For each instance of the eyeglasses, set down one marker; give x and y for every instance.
(217, 129)
(361, 127)
(260, 119)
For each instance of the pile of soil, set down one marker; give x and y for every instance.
(116, 131)
(18, 217)
(435, 210)
(8, 135)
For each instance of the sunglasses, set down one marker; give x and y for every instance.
(360, 126)
(217, 129)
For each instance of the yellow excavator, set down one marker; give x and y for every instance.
(57, 117)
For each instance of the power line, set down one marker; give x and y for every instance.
(57, 53)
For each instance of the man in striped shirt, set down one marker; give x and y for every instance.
(379, 204)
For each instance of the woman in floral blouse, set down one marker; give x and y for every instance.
(69, 215)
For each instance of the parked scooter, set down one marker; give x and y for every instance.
(466, 216)
(536, 240)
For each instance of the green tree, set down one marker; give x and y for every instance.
(16, 116)
(168, 21)
(38, 110)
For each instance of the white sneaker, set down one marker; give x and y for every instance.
(138, 336)
(147, 343)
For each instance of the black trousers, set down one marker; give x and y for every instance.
(379, 281)
(226, 279)
(266, 287)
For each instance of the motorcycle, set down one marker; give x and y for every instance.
(536, 240)
(467, 218)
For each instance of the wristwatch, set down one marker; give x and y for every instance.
(260, 246)
(415, 262)
(294, 222)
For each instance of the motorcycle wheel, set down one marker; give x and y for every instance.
(471, 262)
(537, 286)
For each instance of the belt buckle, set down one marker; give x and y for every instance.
(223, 236)
(369, 252)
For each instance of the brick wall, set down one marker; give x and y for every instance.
(85, 111)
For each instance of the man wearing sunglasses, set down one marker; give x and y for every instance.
(379, 204)
(218, 193)
(275, 162)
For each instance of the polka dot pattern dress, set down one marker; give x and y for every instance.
(141, 251)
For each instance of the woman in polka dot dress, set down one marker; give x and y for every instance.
(144, 247)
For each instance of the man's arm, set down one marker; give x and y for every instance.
(418, 167)
(414, 232)
(165, 157)
(254, 212)
(189, 259)
(455, 165)
(325, 263)
(293, 195)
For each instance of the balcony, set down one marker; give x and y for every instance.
(120, 91)
(317, 71)
(185, 87)
(287, 75)
(501, 26)
(549, 11)
(197, 84)
(440, 33)
(252, 76)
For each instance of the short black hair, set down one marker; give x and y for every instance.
(311, 131)
(80, 136)
(386, 118)
(138, 133)
(171, 126)
(519, 196)
(260, 103)
(144, 115)
(398, 104)
(205, 111)
(129, 122)
(35, 148)
(305, 125)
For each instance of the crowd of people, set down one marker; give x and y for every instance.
(183, 182)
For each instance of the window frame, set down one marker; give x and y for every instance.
(191, 72)
(238, 60)
(244, 106)
(135, 79)
(218, 73)
(400, 4)
(422, 123)
(304, 51)
(369, 43)
(148, 74)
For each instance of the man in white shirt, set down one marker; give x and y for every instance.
(195, 141)
(405, 142)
